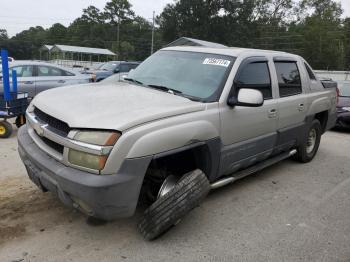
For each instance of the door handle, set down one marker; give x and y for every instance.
(272, 113)
(28, 82)
(61, 81)
(301, 107)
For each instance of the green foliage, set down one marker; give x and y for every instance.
(3, 34)
(311, 28)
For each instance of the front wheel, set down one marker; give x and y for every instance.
(309, 147)
(174, 204)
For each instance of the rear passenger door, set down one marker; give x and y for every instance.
(48, 77)
(292, 102)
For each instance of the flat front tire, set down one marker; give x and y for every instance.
(170, 208)
(309, 146)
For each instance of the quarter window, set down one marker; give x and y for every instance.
(309, 71)
(52, 71)
(256, 75)
(288, 78)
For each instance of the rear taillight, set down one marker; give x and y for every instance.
(338, 94)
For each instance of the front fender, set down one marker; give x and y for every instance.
(172, 137)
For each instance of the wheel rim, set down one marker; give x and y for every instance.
(2, 130)
(311, 141)
(167, 185)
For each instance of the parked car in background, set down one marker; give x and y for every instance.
(343, 106)
(116, 78)
(10, 59)
(34, 77)
(113, 67)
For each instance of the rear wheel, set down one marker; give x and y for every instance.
(5, 129)
(173, 204)
(309, 147)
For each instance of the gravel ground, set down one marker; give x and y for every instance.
(288, 212)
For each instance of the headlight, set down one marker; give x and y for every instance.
(100, 138)
(87, 160)
(346, 109)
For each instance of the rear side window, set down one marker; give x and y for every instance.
(310, 72)
(288, 78)
(256, 75)
(52, 71)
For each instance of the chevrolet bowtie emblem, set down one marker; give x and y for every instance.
(39, 129)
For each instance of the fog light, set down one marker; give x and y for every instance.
(79, 204)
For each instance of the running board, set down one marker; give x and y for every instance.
(252, 170)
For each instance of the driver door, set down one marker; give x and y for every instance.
(249, 134)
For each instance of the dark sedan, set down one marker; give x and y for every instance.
(113, 67)
(343, 107)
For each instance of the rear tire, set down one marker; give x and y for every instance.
(170, 208)
(309, 147)
(5, 129)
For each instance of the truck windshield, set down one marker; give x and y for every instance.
(198, 75)
(344, 89)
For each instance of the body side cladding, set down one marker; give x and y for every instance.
(246, 153)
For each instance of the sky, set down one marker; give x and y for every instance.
(17, 15)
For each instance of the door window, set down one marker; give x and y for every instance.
(256, 75)
(23, 71)
(288, 78)
(52, 71)
(124, 68)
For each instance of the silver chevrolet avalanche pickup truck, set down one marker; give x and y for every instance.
(186, 121)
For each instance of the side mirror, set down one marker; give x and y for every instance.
(247, 97)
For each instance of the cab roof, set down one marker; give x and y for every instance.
(230, 51)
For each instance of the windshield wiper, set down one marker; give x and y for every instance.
(133, 80)
(174, 92)
(166, 89)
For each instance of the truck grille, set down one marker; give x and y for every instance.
(52, 122)
(57, 147)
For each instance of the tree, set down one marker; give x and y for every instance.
(92, 14)
(117, 11)
(3, 34)
(346, 45)
(322, 34)
(57, 33)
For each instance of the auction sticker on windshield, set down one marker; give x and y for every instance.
(216, 61)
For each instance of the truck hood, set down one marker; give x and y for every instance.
(118, 106)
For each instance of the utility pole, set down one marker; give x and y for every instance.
(152, 47)
(118, 36)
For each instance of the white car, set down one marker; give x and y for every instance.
(34, 77)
